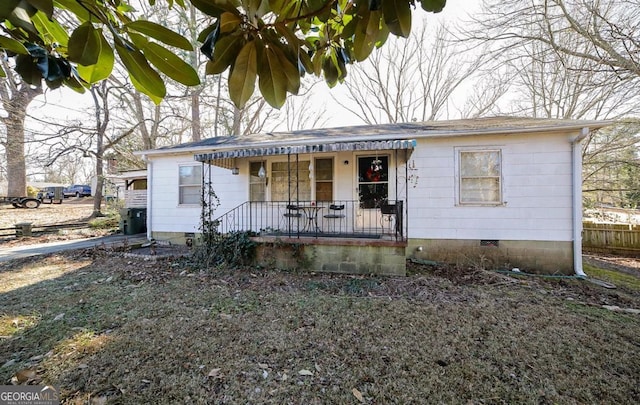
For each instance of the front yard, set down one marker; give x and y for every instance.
(108, 328)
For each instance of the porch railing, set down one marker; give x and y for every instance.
(340, 218)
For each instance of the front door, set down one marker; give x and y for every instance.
(373, 192)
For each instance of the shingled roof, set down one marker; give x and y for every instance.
(382, 132)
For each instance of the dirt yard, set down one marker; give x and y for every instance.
(108, 328)
(72, 210)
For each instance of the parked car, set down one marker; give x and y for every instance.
(77, 190)
(53, 194)
(46, 193)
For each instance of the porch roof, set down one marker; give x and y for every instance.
(394, 144)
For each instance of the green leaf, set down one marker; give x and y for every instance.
(284, 8)
(156, 100)
(74, 84)
(21, 17)
(397, 16)
(74, 7)
(12, 45)
(434, 6)
(366, 35)
(290, 71)
(224, 54)
(6, 8)
(50, 30)
(2, 72)
(215, 7)
(331, 73)
(229, 22)
(171, 65)
(27, 68)
(84, 45)
(271, 78)
(148, 80)
(103, 67)
(242, 77)
(160, 33)
(46, 6)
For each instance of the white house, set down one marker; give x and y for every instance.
(501, 192)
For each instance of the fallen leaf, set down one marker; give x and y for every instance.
(263, 365)
(214, 373)
(317, 368)
(357, 394)
(225, 316)
(99, 400)
(25, 375)
(305, 372)
(265, 374)
(59, 317)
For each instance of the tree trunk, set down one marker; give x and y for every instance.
(14, 122)
(195, 116)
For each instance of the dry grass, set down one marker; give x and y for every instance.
(72, 210)
(133, 331)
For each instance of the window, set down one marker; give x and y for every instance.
(324, 179)
(190, 178)
(257, 184)
(373, 180)
(480, 174)
(290, 182)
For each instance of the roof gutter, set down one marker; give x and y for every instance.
(149, 197)
(576, 163)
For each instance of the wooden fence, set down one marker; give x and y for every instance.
(41, 229)
(611, 237)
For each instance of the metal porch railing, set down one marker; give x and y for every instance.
(340, 218)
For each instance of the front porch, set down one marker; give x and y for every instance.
(331, 236)
(344, 219)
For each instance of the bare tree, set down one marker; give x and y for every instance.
(604, 33)
(408, 80)
(611, 167)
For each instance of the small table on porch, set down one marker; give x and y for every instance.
(311, 213)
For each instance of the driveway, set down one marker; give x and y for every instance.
(19, 252)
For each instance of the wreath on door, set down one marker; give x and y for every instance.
(374, 172)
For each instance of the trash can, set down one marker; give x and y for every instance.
(133, 220)
(57, 193)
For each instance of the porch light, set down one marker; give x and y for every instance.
(235, 171)
(262, 173)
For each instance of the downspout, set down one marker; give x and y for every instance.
(576, 163)
(146, 159)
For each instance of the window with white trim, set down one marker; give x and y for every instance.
(479, 177)
(257, 184)
(189, 184)
(290, 181)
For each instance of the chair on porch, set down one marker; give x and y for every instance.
(292, 215)
(336, 213)
(388, 220)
